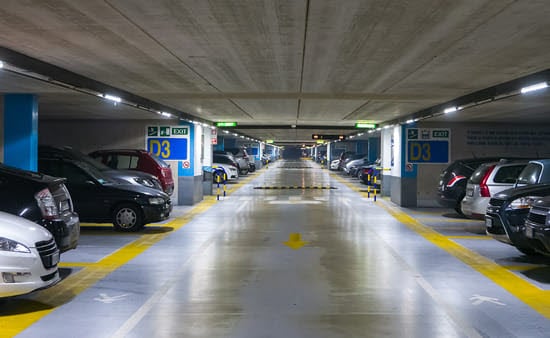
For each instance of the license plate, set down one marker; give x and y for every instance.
(55, 258)
(489, 222)
(528, 232)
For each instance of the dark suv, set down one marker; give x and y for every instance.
(506, 213)
(537, 226)
(42, 199)
(452, 182)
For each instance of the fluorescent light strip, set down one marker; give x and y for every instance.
(534, 87)
(450, 110)
(112, 98)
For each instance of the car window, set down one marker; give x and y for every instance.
(73, 174)
(508, 174)
(125, 162)
(478, 174)
(530, 174)
(159, 161)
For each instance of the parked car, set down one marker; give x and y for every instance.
(536, 171)
(28, 256)
(537, 226)
(242, 159)
(223, 160)
(344, 157)
(368, 171)
(354, 162)
(487, 180)
(140, 160)
(42, 199)
(231, 172)
(334, 164)
(122, 176)
(453, 179)
(507, 211)
(97, 198)
(242, 164)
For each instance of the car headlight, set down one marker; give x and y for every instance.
(13, 246)
(156, 200)
(523, 202)
(144, 182)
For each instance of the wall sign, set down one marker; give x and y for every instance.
(428, 145)
(168, 142)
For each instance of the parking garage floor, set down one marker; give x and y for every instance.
(292, 250)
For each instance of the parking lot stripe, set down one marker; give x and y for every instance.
(27, 312)
(528, 293)
(477, 237)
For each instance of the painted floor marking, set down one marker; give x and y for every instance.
(48, 300)
(535, 297)
(528, 293)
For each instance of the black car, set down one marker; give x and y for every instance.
(507, 211)
(537, 226)
(97, 198)
(452, 182)
(122, 176)
(42, 199)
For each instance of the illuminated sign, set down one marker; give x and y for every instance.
(328, 137)
(226, 124)
(364, 125)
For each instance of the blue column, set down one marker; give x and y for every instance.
(21, 131)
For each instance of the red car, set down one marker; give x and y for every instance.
(137, 159)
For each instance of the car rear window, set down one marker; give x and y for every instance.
(159, 161)
(479, 173)
(530, 174)
(508, 174)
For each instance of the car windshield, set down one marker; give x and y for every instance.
(530, 174)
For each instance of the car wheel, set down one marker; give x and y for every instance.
(243, 172)
(128, 218)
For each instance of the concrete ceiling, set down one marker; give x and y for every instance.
(325, 63)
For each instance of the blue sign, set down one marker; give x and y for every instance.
(168, 148)
(427, 151)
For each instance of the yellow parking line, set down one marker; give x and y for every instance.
(526, 292)
(25, 311)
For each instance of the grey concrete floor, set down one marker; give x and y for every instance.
(228, 273)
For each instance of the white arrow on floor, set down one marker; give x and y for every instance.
(477, 299)
(104, 298)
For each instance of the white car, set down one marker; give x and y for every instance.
(334, 164)
(28, 256)
(231, 171)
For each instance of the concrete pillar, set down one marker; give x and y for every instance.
(21, 131)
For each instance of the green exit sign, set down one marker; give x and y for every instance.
(440, 133)
(179, 131)
(365, 125)
(226, 124)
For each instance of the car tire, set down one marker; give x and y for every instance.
(128, 218)
(243, 172)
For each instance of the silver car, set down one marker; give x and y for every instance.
(487, 180)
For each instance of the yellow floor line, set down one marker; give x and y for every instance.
(44, 302)
(528, 293)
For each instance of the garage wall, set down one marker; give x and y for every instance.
(479, 140)
(88, 135)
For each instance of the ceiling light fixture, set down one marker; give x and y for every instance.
(449, 110)
(165, 114)
(534, 87)
(112, 98)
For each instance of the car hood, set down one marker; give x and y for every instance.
(526, 190)
(21, 230)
